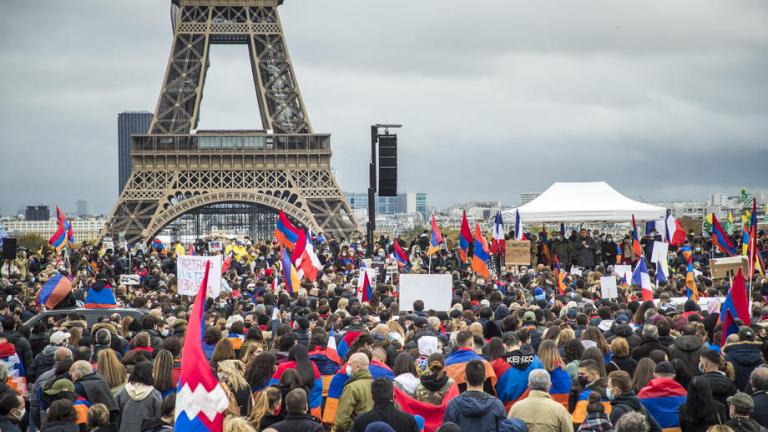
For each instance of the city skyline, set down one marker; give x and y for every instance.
(659, 114)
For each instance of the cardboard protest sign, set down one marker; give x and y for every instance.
(518, 253)
(623, 271)
(435, 290)
(130, 279)
(190, 270)
(723, 268)
(608, 287)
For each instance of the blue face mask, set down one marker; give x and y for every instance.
(609, 393)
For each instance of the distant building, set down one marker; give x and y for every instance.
(129, 123)
(84, 229)
(37, 213)
(525, 198)
(82, 208)
(405, 203)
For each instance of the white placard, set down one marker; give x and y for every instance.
(190, 271)
(108, 243)
(623, 271)
(130, 279)
(660, 250)
(215, 246)
(436, 291)
(608, 287)
(576, 271)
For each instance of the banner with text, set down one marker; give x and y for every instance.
(190, 270)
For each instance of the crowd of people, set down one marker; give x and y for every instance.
(511, 354)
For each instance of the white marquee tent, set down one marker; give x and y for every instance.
(584, 202)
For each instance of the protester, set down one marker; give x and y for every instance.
(759, 383)
(721, 387)
(434, 384)
(384, 410)
(745, 356)
(61, 417)
(740, 408)
(139, 398)
(663, 396)
(297, 419)
(539, 411)
(597, 420)
(624, 400)
(356, 397)
(701, 410)
(474, 409)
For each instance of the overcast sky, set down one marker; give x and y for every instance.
(663, 100)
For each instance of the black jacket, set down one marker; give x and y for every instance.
(43, 362)
(760, 413)
(95, 390)
(645, 348)
(297, 423)
(745, 357)
(717, 416)
(626, 403)
(387, 413)
(688, 349)
(721, 386)
(6, 425)
(60, 426)
(626, 364)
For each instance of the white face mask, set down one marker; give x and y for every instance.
(349, 370)
(21, 413)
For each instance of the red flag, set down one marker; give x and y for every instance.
(432, 414)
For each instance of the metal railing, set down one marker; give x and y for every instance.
(234, 143)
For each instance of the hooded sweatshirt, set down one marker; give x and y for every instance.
(475, 411)
(141, 401)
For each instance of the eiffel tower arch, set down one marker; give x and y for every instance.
(178, 170)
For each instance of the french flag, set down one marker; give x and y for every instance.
(636, 239)
(309, 264)
(642, 278)
(498, 245)
(735, 306)
(200, 401)
(674, 230)
(519, 234)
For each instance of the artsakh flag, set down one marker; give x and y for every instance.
(432, 414)
(200, 401)
(339, 381)
(512, 371)
(720, 238)
(465, 239)
(480, 257)
(17, 377)
(437, 238)
(735, 306)
(636, 240)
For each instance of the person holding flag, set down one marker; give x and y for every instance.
(735, 307)
(720, 238)
(400, 255)
(642, 279)
(691, 290)
(290, 237)
(559, 277)
(636, 248)
(292, 280)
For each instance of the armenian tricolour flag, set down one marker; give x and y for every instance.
(17, 377)
(63, 236)
(100, 296)
(465, 239)
(315, 393)
(327, 361)
(481, 255)
(580, 410)
(755, 258)
(691, 290)
(200, 401)
(400, 256)
(292, 238)
(735, 306)
(561, 386)
(346, 342)
(365, 294)
(457, 361)
(662, 397)
(437, 238)
(512, 371)
(338, 382)
(54, 291)
(720, 238)
(292, 281)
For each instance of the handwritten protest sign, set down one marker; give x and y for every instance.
(190, 271)
(518, 253)
(130, 279)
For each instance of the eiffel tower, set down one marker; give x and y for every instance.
(179, 171)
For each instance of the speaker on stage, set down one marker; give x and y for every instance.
(388, 165)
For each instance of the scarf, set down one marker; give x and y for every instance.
(434, 383)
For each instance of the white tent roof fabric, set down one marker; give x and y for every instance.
(584, 202)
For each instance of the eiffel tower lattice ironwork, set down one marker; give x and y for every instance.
(177, 170)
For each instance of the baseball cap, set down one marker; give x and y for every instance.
(746, 333)
(58, 337)
(60, 386)
(665, 367)
(742, 402)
